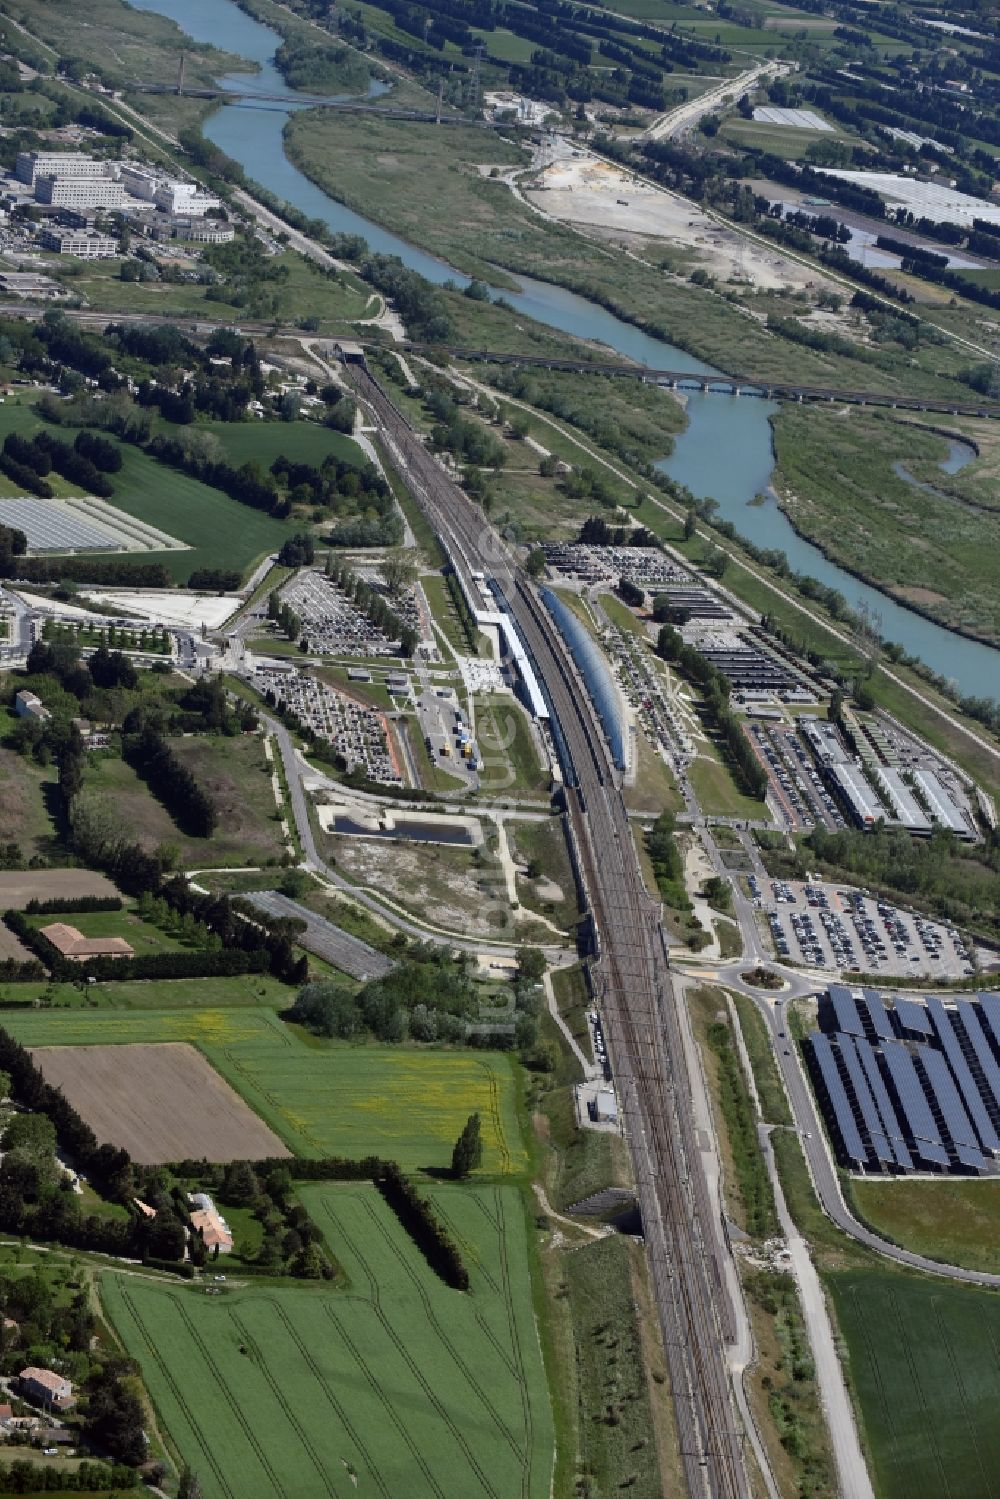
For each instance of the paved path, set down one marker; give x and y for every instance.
(383, 909)
(852, 1470)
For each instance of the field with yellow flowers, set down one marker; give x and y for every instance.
(322, 1098)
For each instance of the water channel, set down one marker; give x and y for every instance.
(725, 450)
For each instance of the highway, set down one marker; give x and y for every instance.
(632, 978)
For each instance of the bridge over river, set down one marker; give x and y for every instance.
(723, 384)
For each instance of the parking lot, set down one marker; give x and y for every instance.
(828, 926)
(796, 786)
(447, 734)
(332, 624)
(645, 689)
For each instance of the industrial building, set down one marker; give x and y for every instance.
(909, 1085)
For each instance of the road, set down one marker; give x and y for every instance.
(820, 1160)
(852, 1471)
(639, 1008)
(684, 118)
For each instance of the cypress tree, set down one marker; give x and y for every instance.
(468, 1151)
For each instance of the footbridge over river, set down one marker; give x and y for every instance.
(723, 384)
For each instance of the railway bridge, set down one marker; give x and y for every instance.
(719, 382)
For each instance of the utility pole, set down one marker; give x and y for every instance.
(437, 117)
(180, 73)
(474, 81)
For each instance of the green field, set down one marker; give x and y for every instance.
(262, 442)
(145, 938)
(717, 792)
(924, 1364)
(27, 795)
(395, 1386)
(304, 292)
(953, 1220)
(235, 775)
(510, 759)
(254, 989)
(219, 532)
(323, 1099)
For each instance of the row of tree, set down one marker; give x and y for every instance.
(714, 688)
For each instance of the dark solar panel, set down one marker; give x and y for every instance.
(893, 1128)
(926, 1145)
(968, 1094)
(836, 1093)
(973, 1028)
(911, 1017)
(957, 1123)
(879, 1018)
(871, 1120)
(989, 1009)
(846, 1011)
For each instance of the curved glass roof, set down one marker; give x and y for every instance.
(594, 670)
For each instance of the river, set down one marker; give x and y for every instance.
(725, 450)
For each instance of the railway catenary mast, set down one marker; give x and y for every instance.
(631, 973)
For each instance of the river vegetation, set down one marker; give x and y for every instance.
(864, 488)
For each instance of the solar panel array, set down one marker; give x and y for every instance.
(911, 1085)
(55, 528)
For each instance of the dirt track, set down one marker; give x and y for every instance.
(161, 1102)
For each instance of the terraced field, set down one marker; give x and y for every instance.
(322, 1100)
(394, 1386)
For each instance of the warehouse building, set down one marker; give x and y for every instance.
(906, 810)
(857, 794)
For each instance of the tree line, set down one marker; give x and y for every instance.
(152, 758)
(714, 688)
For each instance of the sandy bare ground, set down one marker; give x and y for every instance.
(18, 886)
(160, 1102)
(582, 190)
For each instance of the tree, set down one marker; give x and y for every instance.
(190, 1487)
(531, 964)
(240, 1186)
(689, 524)
(468, 1151)
(535, 563)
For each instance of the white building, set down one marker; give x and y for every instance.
(141, 182)
(34, 164)
(85, 244)
(184, 197)
(80, 192)
(203, 231)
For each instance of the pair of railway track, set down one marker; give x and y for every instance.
(631, 974)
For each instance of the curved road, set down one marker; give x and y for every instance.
(821, 1164)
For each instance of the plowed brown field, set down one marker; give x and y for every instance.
(161, 1102)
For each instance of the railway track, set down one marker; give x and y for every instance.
(631, 971)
